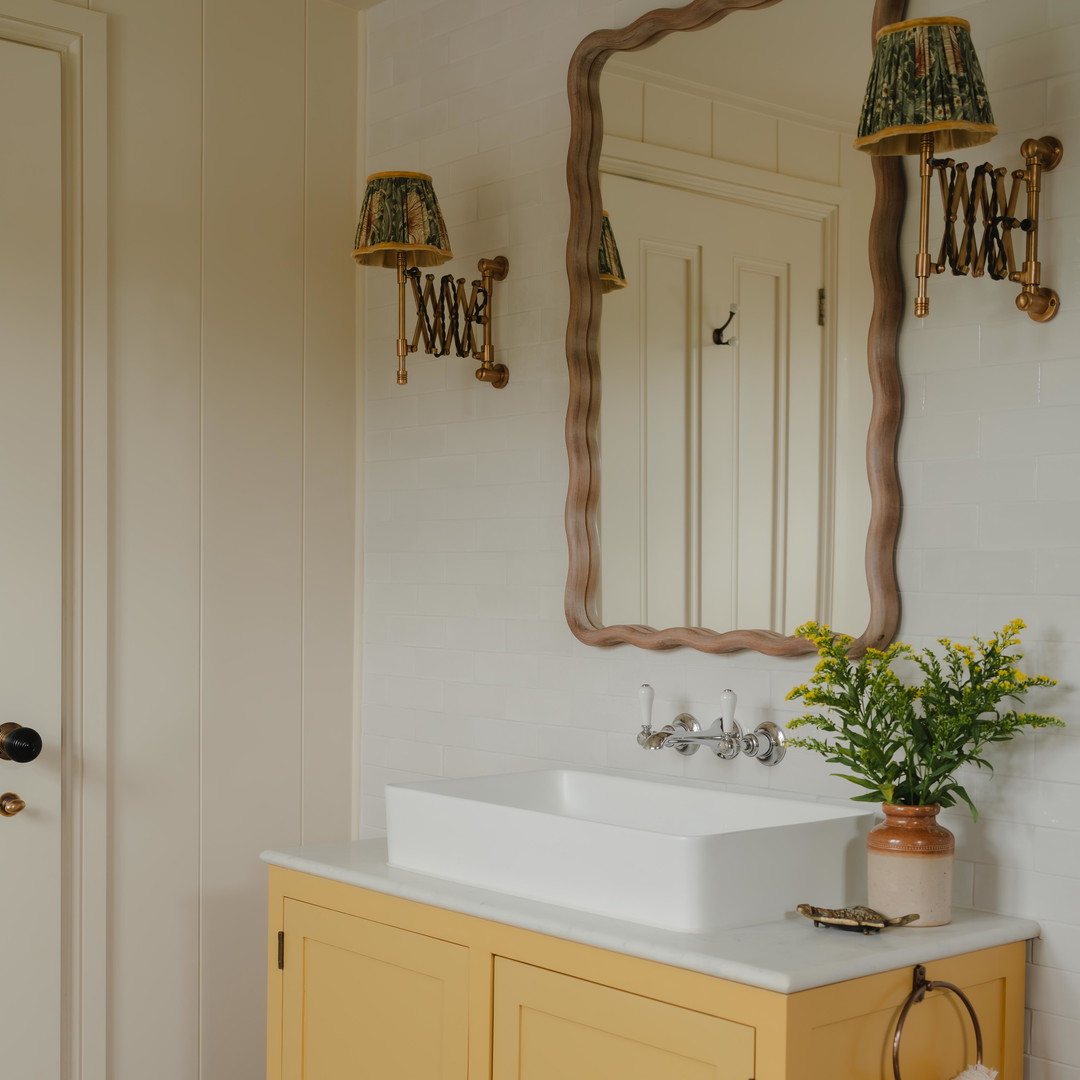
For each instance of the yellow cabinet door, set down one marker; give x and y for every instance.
(549, 1026)
(364, 1000)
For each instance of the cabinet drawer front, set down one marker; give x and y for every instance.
(549, 1026)
(357, 993)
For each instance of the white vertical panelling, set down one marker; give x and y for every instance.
(232, 167)
(469, 678)
(252, 489)
(329, 420)
(155, 210)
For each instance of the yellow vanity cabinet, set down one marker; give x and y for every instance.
(547, 1025)
(360, 998)
(376, 987)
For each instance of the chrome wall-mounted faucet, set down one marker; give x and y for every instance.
(724, 736)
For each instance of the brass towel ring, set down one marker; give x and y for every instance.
(920, 987)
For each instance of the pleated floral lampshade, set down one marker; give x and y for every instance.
(611, 271)
(401, 214)
(925, 79)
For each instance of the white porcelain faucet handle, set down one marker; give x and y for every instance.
(728, 700)
(645, 696)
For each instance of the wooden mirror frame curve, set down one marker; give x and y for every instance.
(583, 360)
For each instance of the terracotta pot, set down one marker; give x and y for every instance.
(909, 865)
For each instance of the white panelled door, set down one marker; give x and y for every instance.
(712, 453)
(31, 551)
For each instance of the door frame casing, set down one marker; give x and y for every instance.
(78, 35)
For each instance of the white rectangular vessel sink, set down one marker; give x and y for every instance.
(673, 854)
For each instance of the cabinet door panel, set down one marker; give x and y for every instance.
(937, 1039)
(361, 999)
(549, 1026)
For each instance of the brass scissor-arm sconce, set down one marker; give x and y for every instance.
(926, 90)
(401, 226)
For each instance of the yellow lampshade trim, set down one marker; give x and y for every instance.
(907, 138)
(385, 254)
(399, 172)
(910, 24)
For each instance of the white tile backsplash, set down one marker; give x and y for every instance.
(469, 665)
(1041, 1069)
(1058, 947)
(1055, 1038)
(925, 438)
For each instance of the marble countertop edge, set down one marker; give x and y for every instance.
(786, 956)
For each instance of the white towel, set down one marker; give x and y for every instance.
(978, 1072)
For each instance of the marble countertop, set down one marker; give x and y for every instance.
(785, 956)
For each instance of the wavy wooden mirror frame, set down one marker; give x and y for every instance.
(583, 360)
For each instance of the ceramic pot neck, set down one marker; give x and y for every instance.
(911, 829)
(909, 816)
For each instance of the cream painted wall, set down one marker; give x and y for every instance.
(232, 166)
(469, 666)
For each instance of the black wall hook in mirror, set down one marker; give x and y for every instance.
(718, 335)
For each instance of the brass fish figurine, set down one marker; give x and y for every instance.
(859, 917)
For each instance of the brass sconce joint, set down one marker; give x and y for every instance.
(989, 217)
(1041, 155)
(498, 375)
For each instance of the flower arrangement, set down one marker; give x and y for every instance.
(905, 743)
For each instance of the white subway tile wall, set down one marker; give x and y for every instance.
(468, 664)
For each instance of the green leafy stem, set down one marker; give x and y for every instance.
(904, 743)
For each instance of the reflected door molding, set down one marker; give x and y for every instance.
(583, 361)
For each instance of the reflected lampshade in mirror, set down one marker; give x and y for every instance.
(612, 275)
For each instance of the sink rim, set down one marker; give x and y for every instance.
(490, 789)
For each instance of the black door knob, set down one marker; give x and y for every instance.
(18, 743)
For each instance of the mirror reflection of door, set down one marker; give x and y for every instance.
(714, 463)
(733, 487)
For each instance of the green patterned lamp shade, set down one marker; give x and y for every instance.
(401, 214)
(925, 79)
(611, 271)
